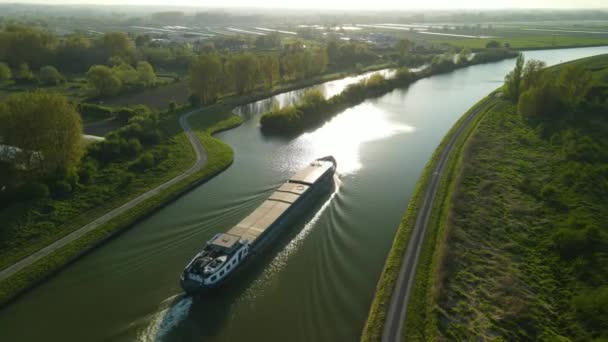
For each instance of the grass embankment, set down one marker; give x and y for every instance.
(375, 322)
(516, 249)
(315, 109)
(219, 155)
(529, 42)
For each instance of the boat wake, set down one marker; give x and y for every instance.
(175, 310)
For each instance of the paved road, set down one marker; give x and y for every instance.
(395, 319)
(201, 160)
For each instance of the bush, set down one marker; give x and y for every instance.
(145, 161)
(592, 307)
(87, 170)
(61, 188)
(94, 112)
(493, 44)
(133, 147)
(5, 72)
(50, 76)
(32, 190)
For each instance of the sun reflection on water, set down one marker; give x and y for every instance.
(344, 135)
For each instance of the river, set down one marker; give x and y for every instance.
(317, 281)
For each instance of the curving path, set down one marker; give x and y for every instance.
(396, 315)
(201, 160)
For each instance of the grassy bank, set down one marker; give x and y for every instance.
(421, 314)
(380, 304)
(220, 156)
(516, 247)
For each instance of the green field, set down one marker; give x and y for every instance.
(526, 43)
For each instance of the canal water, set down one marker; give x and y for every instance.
(316, 283)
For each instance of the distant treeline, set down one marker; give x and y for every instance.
(315, 109)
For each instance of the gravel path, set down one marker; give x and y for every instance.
(395, 319)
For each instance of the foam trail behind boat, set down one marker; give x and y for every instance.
(166, 319)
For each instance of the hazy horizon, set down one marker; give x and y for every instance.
(341, 4)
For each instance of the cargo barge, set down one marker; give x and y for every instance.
(225, 252)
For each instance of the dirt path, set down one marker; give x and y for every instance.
(395, 318)
(201, 160)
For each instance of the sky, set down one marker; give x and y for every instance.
(346, 4)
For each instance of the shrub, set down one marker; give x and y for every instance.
(32, 190)
(133, 147)
(50, 76)
(493, 44)
(145, 161)
(592, 307)
(87, 170)
(93, 111)
(61, 188)
(5, 72)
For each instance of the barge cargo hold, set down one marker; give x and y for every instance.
(225, 252)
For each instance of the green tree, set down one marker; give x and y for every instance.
(45, 123)
(574, 83)
(145, 73)
(533, 74)
(464, 56)
(5, 72)
(103, 80)
(245, 68)
(205, 77)
(50, 76)
(269, 70)
(24, 44)
(513, 79)
(118, 44)
(403, 47)
(493, 44)
(24, 73)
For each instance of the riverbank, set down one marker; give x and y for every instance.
(209, 120)
(218, 157)
(375, 323)
(315, 109)
(528, 249)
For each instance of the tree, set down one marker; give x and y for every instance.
(77, 53)
(205, 75)
(269, 70)
(145, 73)
(24, 74)
(574, 83)
(23, 44)
(493, 44)
(540, 100)
(5, 72)
(245, 68)
(269, 41)
(513, 79)
(532, 74)
(403, 46)
(464, 56)
(103, 80)
(45, 123)
(50, 76)
(118, 43)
